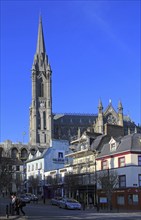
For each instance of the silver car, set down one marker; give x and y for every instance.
(67, 203)
(56, 200)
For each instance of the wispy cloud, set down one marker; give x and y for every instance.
(98, 15)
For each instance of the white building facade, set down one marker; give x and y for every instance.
(45, 160)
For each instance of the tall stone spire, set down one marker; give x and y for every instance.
(41, 107)
(40, 41)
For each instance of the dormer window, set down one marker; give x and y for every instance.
(113, 144)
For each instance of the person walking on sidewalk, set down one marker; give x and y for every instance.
(19, 206)
(13, 203)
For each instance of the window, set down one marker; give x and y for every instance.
(120, 200)
(113, 146)
(17, 168)
(122, 181)
(40, 165)
(14, 153)
(121, 161)
(36, 166)
(139, 160)
(32, 167)
(41, 89)
(139, 177)
(60, 155)
(133, 199)
(28, 168)
(104, 165)
(44, 118)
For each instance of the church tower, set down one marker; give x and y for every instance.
(41, 106)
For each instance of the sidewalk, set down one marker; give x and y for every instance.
(13, 217)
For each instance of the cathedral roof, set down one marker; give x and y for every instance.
(74, 118)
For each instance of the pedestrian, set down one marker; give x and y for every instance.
(13, 203)
(19, 206)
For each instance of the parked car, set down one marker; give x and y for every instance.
(24, 198)
(56, 200)
(69, 204)
(32, 197)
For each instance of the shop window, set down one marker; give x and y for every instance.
(121, 162)
(139, 177)
(139, 160)
(133, 199)
(120, 200)
(122, 181)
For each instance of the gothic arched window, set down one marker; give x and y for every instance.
(14, 153)
(24, 153)
(41, 88)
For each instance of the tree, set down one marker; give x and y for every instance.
(6, 173)
(54, 182)
(108, 180)
(71, 182)
(18, 182)
(34, 182)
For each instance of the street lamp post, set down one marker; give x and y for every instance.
(44, 199)
(95, 153)
(95, 184)
(87, 182)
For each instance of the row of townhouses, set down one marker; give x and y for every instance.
(76, 170)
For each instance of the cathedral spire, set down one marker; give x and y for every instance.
(41, 105)
(40, 42)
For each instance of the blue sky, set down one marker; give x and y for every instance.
(94, 52)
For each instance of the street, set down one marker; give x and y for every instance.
(48, 212)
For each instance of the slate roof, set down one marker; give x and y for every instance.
(45, 151)
(127, 143)
(74, 119)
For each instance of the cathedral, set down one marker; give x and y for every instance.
(45, 125)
